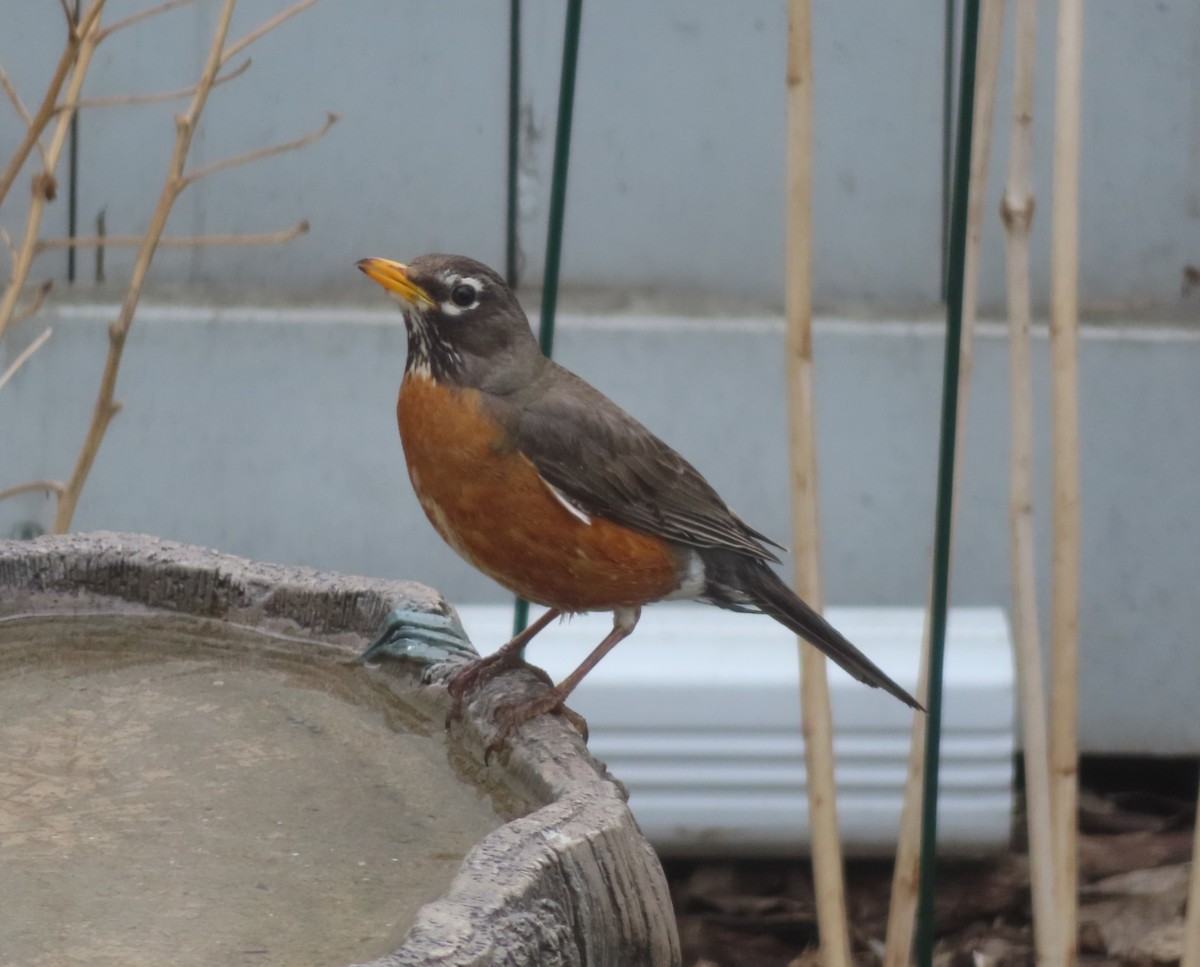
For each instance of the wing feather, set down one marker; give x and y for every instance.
(610, 465)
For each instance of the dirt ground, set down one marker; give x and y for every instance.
(1134, 852)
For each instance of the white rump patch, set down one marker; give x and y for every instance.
(563, 500)
(694, 579)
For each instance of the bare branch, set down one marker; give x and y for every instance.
(265, 27)
(179, 241)
(68, 13)
(50, 486)
(33, 307)
(117, 100)
(106, 406)
(257, 155)
(45, 110)
(175, 181)
(142, 15)
(15, 99)
(23, 358)
(77, 57)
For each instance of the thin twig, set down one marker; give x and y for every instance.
(143, 15)
(1017, 211)
(80, 59)
(19, 105)
(259, 153)
(178, 241)
(816, 713)
(1064, 324)
(120, 100)
(39, 298)
(906, 872)
(23, 358)
(48, 486)
(14, 98)
(106, 407)
(77, 39)
(265, 27)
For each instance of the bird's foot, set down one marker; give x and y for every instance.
(510, 716)
(424, 636)
(471, 676)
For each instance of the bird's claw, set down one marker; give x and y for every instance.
(510, 716)
(423, 636)
(429, 637)
(472, 675)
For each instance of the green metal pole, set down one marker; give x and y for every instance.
(558, 180)
(558, 205)
(947, 136)
(945, 482)
(512, 245)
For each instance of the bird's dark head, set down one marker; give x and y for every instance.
(465, 325)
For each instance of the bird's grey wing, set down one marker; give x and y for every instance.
(609, 465)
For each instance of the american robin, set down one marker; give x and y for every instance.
(550, 488)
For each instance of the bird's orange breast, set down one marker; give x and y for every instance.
(489, 503)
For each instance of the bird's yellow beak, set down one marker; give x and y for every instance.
(393, 276)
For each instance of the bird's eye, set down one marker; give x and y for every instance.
(463, 295)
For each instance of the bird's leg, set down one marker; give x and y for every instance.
(512, 715)
(506, 657)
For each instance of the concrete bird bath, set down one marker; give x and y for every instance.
(196, 769)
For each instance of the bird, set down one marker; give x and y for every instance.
(547, 486)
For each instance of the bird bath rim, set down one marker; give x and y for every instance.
(576, 860)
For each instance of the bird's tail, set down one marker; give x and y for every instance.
(762, 587)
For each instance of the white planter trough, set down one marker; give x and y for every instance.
(698, 713)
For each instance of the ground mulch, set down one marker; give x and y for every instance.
(1134, 853)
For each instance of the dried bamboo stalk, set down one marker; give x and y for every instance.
(1191, 927)
(816, 713)
(1017, 211)
(906, 872)
(1064, 323)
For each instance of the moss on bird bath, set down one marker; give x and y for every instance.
(179, 790)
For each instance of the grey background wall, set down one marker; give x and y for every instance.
(265, 427)
(676, 184)
(271, 434)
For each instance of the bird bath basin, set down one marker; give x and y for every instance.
(195, 769)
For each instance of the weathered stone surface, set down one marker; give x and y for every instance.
(571, 882)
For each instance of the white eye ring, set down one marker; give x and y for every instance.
(460, 288)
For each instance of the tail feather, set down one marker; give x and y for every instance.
(753, 581)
